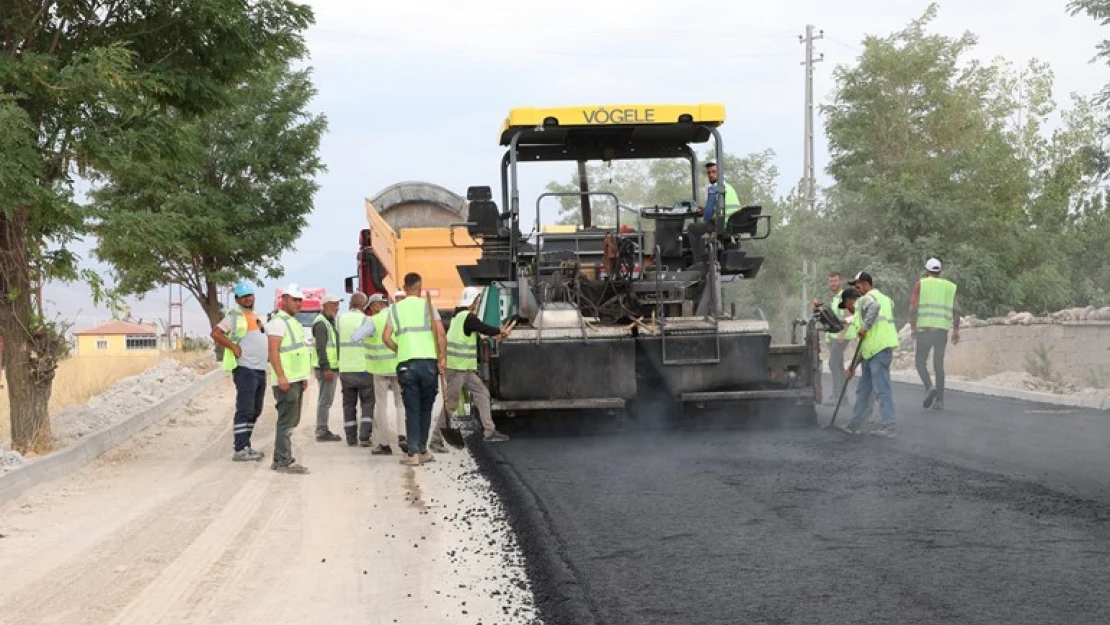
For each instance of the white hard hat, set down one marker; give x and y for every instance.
(294, 291)
(469, 294)
(932, 265)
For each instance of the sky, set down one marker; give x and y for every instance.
(418, 92)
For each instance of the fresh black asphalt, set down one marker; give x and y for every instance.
(995, 511)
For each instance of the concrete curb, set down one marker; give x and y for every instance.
(83, 451)
(1093, 403)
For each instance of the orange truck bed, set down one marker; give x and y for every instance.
(432, 252)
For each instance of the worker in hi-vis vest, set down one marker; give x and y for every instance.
(381, 362)
(934, 311)
(355, 381)
(699, 229)
(462, 366)
(414, 332)
(873, 318)
(290, 368)
(242, 334)
(325, 364)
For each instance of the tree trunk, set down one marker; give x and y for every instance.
(31, 346)
(210, 302)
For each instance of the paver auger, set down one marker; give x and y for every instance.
(609, 315)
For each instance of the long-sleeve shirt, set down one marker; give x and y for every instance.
(472, 324)
(320, 340)
(867, 309)
(363, 331)
(710, 202)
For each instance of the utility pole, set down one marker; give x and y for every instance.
(809, 179)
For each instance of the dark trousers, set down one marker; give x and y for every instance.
(934, 340)
(289, 417)
(250, 392)
(697, 245)
(358, 390)
(419, 380)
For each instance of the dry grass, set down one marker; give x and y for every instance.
(79, 379)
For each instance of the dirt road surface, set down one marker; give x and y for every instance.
(993, 512)
(166, 529)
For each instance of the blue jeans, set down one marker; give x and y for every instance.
(250, 392)
(419, 380)
(875, 377)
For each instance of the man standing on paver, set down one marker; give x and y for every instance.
(381, 362)
(354, 378)
(325, 364)
(415, 333)
(934, 310)
(242, 335)
(290, 366)
(462, 367)
(873, 316)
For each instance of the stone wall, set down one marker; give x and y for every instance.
(1071, 347)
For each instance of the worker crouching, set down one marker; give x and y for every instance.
(462, 365)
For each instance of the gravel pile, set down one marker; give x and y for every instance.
(9, 460)
(125, 398)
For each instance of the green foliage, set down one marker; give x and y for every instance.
(936, 154)
(229, 198)
(76, 80)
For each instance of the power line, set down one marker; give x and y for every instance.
(532, 26)
(593, 53)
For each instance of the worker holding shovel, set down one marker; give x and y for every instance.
(462, 367)
(873, 316)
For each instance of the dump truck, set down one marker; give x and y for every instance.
(611, 317)
(385, 255)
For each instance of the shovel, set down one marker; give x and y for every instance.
(452, 436)
(845, 387)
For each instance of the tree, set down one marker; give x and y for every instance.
(230, 199)
(74, 77)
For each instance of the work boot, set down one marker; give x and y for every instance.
(402, 445)
(328, 437)
(382, 450)
(438, 447)
(364, 442)
(930, 397)
(938, 405)
(292, 467)
(410, 461)
(885, 432)
(848, 429)
(494, 437)
(352, 441)
(426, 457)
(247, 454)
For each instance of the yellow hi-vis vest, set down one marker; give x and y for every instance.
(883, 334)
(352, 354)
(332, 349)
(462, 350)
(238, 331)
(380, 360)
(294, 351)
(935, 302)
(731, 201)
(412, 330)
